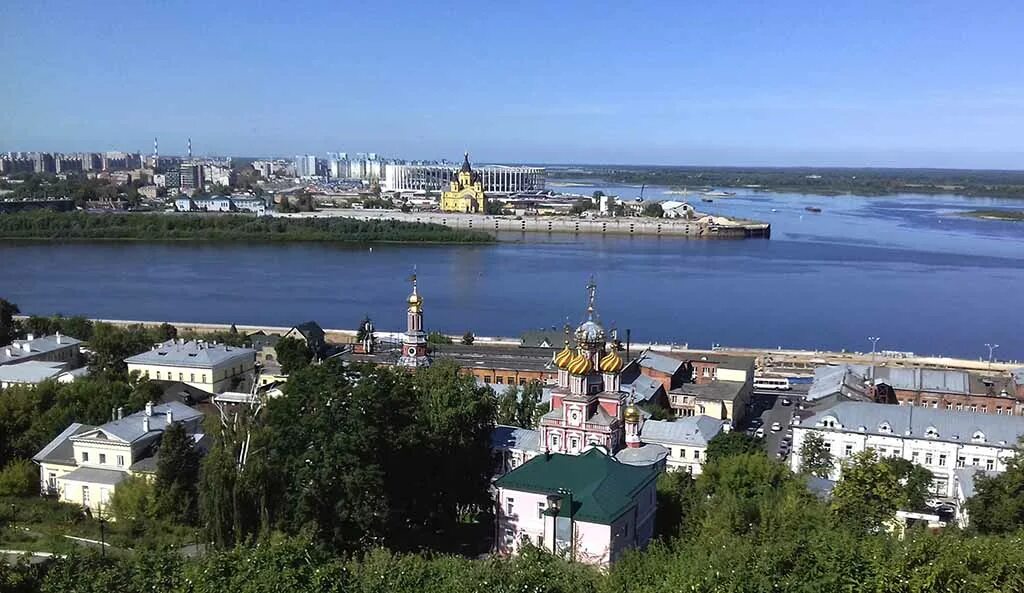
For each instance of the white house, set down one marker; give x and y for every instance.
(589, 507)
(937, 439)
(84, 464)
(686, 439)
(208, 366)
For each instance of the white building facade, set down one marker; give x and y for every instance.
(209, 366)
(496, 179)
(941, 441)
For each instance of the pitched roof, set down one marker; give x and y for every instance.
(916, 421)
(262, 339)
(602, 489)
(30, 371)
(130, 429)
(660, 362)
(26, 349)
(646, 454)
(59, 450)
(689, 430)
(967, 477)
(505, 437)
(1018, 375)
(917, 379)
(643, 387)
(545, 338)
(843, 379)
(192, 353)
(310, 330)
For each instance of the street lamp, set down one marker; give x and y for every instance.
(103, 537)
(874, 344)
(555, 507)
(991, 352)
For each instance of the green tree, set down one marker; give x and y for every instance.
(293, 354)
(507, 406)
(581, 205)
(165, 332)
(728, 443)
(869, 493)
(915, 481)
(997, 505)
(468, 338)
(19, 478)
(7, 327)
(177, 475)
(38, 326)
(133, 502)
(436, 337)
(677, 504)
(815, 456)
(653, 210)
(528, 404)
(111, 344)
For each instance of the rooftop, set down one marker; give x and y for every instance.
(646, 454)
(505, 437)
(602, 489)
(716, 390)
(830, 380)
(195, 354)
(729, 361)
(920, 422)
(30, 371)
(916, 379)
(130, 428)
(59, 450)
(95, 475)
(689, 430)
(967, 477)
(643, 387)
(660, 362)
(26, 349)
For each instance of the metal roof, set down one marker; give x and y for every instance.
(920, 422)
(95, 475)
(602, 489)
(27, 349)
(30, 371)
(967, 477)
(916, 379)
(689, 430)
(716, 390)
(832, 380)
(191, 354)
(513, 437)
(59, 450)
(130, 429)
(646, 454)
(660, 362)
(644, 387)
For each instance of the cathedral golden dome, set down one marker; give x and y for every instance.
(611, 362)
(580, 364)
(563, 358)
(415, 299)
(631, 414)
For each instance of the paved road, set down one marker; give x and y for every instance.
(768, 407)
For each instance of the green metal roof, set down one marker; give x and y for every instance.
(602, 488)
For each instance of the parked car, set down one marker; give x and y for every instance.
(776, 427)
(787, 402)
(759, 433)
(756, 422)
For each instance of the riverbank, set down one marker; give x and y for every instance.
(706, 227)
(81, 226)
(1004, 215)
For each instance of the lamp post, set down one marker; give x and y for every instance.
(874, 344)
(555, 505)
(103, 537)
(991, 353)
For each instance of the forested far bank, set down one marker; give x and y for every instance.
(64, 226)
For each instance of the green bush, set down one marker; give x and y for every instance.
(19, 478)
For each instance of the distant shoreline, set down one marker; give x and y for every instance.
(1003, 215)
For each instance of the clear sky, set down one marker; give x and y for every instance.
(884, 83)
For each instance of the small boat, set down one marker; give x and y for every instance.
(812, 209)
(720, 194)
(706, 200)
(775, 209)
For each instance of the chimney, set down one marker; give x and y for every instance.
(30, 337)
(120, 413)
(26, 347)
(149, 409)
(7, 351)
(57, 336)
(170, 417)
(145, 424)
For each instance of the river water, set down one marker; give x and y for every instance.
(908, 269)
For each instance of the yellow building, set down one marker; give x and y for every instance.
(466, 193)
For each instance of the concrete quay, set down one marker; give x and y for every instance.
(768, 360)
(715, 228)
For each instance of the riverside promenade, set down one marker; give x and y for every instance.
(703, 227)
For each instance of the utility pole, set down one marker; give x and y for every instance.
(991, 353)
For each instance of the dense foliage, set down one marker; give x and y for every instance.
(293, 354)
(520, 406)
(998, 502)
(66, 226)
(357, 457)
(811, 180)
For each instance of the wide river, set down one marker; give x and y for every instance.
(908, 269)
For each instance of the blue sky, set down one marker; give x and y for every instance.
(681, 82)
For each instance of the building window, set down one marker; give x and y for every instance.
(696, 453)
(927, 458)
(204, 377)
(522, 382)
(181, 376)
(848, 450)
(959, 407)
(120, 460)
(103, 457)
(540, 510)
(511, 380)
(960, 461)
(147, 373)
(975, 461)
(85, 495)
(85, 456)
(158, 375)
(510, 536)
(554, 441)
(949, 406)
(509, 506)
(487, 379)
(942, 460)
(192, 377)
(990, 464)
(914, 456)
(574, 444)
(498, 379)
(881, 451)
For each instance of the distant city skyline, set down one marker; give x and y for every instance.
(873, 84)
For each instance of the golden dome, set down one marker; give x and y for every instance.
(631, 414)
(580, 364)
(563, 358)
(415, 299)
(611, 362)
